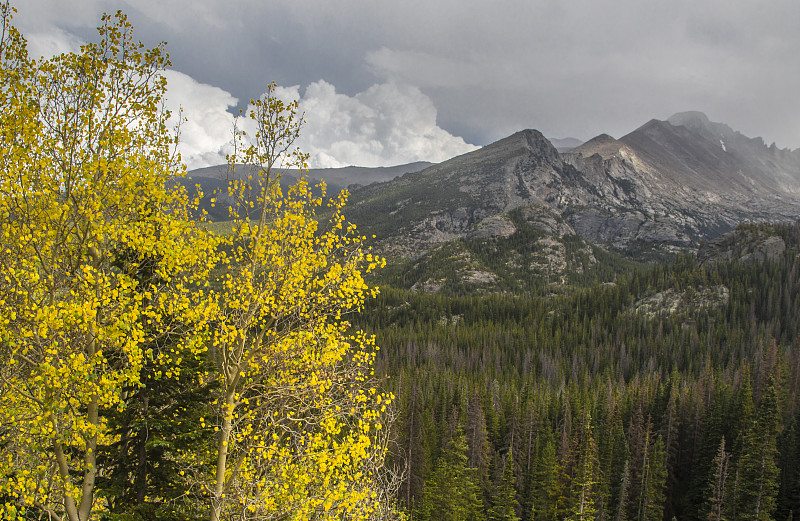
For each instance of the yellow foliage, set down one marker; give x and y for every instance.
(288, 363)
(84, 201)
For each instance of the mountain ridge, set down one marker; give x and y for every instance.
(666, 187)
(213, 180)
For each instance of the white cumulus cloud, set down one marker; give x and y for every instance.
(387, 124)
(52, 43)
(205, 135)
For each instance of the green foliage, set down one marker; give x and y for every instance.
(758, 471)
(504, 504)
(452, 492)
(699, 371)
(585, 477)
(144, 474)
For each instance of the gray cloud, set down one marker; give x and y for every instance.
(490, 68)
(387, 124)
(206, 126)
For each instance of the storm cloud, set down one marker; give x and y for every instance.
(481, 70)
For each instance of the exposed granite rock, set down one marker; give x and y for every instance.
(771, 249)
(494, 226)
(544, 219)
(667, 186)
(478, 277)
(749, 244)
(672, 302)
(552, 257)
(428, 286)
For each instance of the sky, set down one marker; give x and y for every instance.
(390, 82)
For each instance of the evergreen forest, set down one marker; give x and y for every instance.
(671, 393)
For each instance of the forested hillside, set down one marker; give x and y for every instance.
(671, 392)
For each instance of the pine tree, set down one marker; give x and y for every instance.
(745, 413)
(669, 431)
(656, 478)
(716, 485)
(143, 477)
(613, 456)
(758, 471)
(624, 488)
(478, 439)
(641, 449)
(546, 488)
(411, 434)
(451, 493)
(504, 505)
(789, 494)
(585, 477)
(714, 428)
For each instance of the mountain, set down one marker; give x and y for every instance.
(468, 195)
(492, 219)
(712, 157)
(334, 177)
(665, 187)
(214, 179)
(565, 144)
(519, 210)
(685, 180)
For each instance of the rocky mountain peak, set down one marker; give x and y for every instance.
(664, 187)
(688, 118)
(536, 143)
(603, 145)
(698, 122)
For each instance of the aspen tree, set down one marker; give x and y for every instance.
(87, 156)
(299, 420)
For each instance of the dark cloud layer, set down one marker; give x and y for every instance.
(574, 68)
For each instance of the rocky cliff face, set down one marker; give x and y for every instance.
(666, 186)
(747, 244)
(468, 196)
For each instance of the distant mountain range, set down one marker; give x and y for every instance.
(215, 179)
(565, 144)
(667, 186)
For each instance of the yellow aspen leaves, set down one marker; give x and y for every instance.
(101, 259)
(279, 336)
(84, 202)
